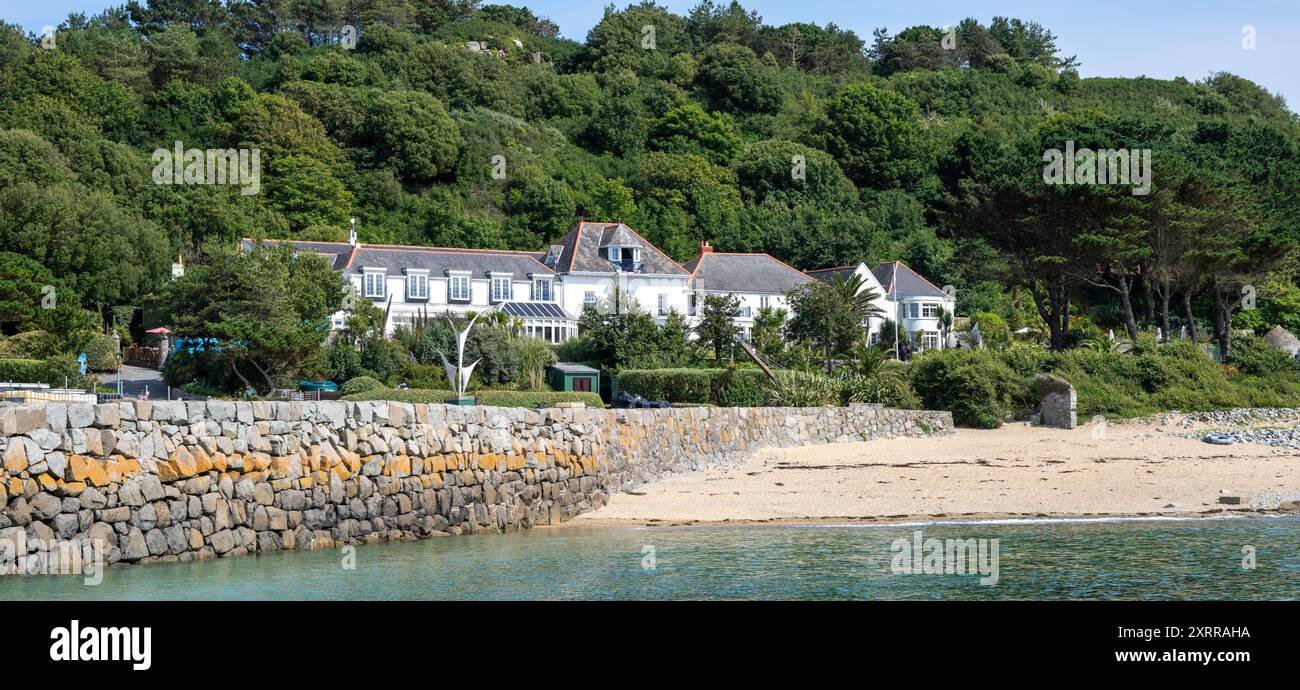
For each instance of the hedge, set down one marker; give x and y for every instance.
(56, 371)
(492, 398)
(723, 387)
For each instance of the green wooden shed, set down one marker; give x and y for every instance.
(566, 376)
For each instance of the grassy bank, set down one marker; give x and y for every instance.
(492, 398)
(982, 387)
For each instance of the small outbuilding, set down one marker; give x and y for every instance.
(566, 376)
(1281, 339)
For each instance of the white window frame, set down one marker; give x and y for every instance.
(541, 285)
(763, 301)
(455, 279)
(417, 285)
(929, 340)
(497, 279)
(589, 297)
(663, 304)
(913, 310)
(929, 310)
(381, 281)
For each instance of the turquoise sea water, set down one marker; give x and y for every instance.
(1126, 559)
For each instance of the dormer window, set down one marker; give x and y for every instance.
(417, 285)
(501, 283)
(458, 286)
(625, 258)
(374, 283)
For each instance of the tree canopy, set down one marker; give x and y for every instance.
(459, 124)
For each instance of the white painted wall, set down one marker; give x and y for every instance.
(644, 289)
(752, 300)
(480, 292)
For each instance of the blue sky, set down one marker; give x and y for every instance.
(1156, 38)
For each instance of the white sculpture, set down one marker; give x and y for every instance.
(458, 376)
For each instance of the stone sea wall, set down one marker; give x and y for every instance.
(161, 481)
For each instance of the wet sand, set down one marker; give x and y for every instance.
(1134, 468)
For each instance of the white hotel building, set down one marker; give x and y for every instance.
(548, 290)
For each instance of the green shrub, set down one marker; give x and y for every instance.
(1027, 360)
(1253, 355)
(202, 368)
(886, 388)
(802, 389)
(418, 375)
(975, 385)
(993, 329)
(381, 357)
(102, 353)
(342, 362)
(29, 345)
(360, 384)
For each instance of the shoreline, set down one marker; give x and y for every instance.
(1141, 469)
(928, 520)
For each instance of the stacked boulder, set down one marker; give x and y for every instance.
(178, 481)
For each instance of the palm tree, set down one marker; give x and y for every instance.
(860, 298)
(945, 324)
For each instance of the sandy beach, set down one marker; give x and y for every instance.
(1134, 468)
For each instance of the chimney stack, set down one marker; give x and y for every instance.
(705, 247)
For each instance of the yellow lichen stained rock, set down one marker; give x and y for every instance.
(279, 467)
(202, 461)
(166, 471)
(16, 457)
(184, 462)
(88, 470)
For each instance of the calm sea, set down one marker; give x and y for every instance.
(1234, 558)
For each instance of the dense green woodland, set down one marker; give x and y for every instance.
(912, 151)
